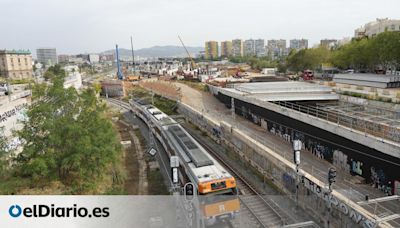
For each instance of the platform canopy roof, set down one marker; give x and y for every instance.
(284, 91)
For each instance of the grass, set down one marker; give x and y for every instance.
(12, 185)
(156, 183)
(165, 105)
(195, 85)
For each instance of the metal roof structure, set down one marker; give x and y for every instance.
(283, 91)
(196, 155)
(367, 113)
(370, 80)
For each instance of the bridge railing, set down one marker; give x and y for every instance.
(381, 130)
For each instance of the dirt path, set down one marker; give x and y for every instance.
(142, 165)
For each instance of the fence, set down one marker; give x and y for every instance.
(380, 130)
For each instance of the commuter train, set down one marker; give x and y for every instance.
(215, 185)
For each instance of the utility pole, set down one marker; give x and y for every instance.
(296, 159)
(331, 180)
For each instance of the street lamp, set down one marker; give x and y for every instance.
(296, 159)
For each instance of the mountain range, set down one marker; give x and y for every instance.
(158, 51)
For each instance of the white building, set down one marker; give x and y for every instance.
(298, 44)
(277, 48)
(373, 28)
(47, 56)
(73, 80)
(93, 58)
(249, 47)
(259, 47)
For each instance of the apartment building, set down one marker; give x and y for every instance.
(211, 49)
(276, 48)
(373, 28)
(249, 47)
(298, 44)
(16, 64)
(226, 48)
(237, 47)
(259, 47)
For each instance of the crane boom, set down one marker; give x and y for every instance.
(133, 55)
(187, 52)
(119, 72)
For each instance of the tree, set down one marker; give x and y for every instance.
(3, 154)
(52, 71)
(66, 137)
(382, 51)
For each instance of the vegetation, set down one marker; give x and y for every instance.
(54, 71)
(257, 63)
(195, 85)
(67, 138)
(165, 105)
(307, 59)
(3, 155)
(380, 52)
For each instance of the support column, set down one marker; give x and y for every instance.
(233, 107)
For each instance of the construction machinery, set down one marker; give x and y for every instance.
(308, 75)
(193, 64)
(193, 72)
(120, 75)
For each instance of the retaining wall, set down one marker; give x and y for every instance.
(313, 194)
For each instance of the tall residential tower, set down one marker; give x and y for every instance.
(226, 48)
(211, 49)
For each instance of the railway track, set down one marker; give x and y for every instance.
(119, 103)
(264, 210)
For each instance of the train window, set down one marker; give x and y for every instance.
(218, 185)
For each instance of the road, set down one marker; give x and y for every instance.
(345, 184)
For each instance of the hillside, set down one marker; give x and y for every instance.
(158, 51)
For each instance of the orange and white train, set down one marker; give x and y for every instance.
(196, 165)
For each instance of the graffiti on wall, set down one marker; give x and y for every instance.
(323, 193)
(340, 160)
(322, 149)
(7, 114)
(289, 182)
(356, 167)
(380, 181)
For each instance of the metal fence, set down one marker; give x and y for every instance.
(380, 130)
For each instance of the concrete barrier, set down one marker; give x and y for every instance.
(313, 194)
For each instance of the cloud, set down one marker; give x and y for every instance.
(76, 26)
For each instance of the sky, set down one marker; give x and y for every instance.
(90, 26)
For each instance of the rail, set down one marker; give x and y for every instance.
(383, 131)
(242, 179)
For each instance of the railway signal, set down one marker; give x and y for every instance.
(189, 191)
(331, 180)
(331, 176)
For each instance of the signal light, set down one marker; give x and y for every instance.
(189, 191)
(331, 175)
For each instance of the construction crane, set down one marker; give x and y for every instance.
(119, 71)
(194, 65)
(133, 57)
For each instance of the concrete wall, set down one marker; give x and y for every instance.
(313, 194)
(385, 146)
